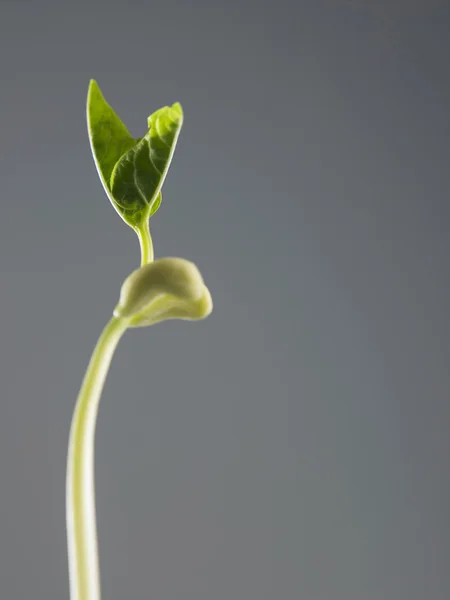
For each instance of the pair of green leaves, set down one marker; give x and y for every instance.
(132, 170)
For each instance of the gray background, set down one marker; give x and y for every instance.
(296, 444)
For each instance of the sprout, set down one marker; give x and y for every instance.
(132, 172)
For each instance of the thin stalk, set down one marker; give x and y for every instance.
(145, 242)
(80, 493)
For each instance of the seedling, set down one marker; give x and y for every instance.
(132, 171)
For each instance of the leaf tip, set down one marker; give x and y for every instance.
(93, 89)
(178, 109)
(175, 112)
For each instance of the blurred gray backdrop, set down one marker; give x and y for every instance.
(295, 445)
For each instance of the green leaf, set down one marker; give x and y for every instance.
(108, 136)
(139, 174)
(132, 170)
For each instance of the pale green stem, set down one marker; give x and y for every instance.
(145, 242)
(80, 493)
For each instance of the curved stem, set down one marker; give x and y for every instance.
(80, 496)
(145, 242)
